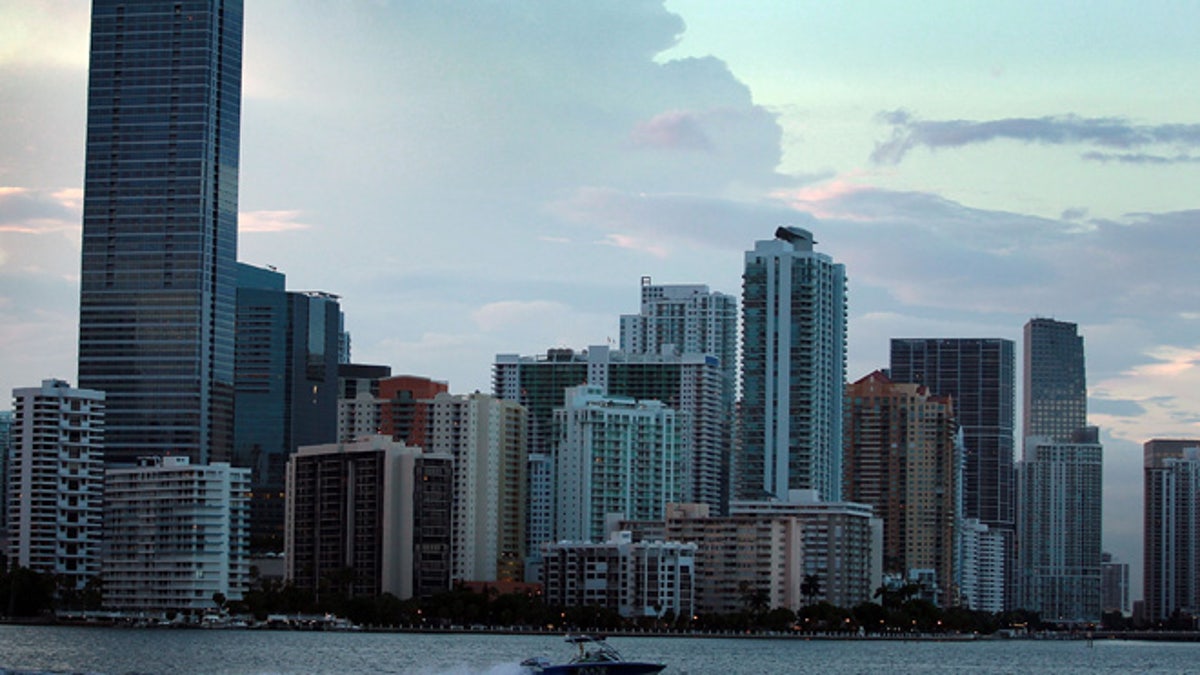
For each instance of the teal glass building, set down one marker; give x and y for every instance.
(158, 286)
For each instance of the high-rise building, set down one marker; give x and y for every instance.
(1114, 584)
(1059, 527)
(56, 481)
(286, 388)
(689, 383)
(405, 402)
(983, 567)
(175, 535)
(158, 280)
(1058, 481)
(793, 369)
(360, 411)
(613, 455)
(688, 319)
(6, 420)
(1171, 547)
(901, 457)
(1055, 393)
(977, 374)
(486, 437)
(369, 517)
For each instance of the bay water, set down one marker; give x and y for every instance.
(122, 651)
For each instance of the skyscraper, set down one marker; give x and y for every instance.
(977, 374)
(157, 298)
(901, 458)
(286, 388)
(1059, 480)
(793, 369)
(1055, 380)
(1171, 553)
(1058, 527)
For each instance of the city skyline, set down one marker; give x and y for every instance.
(508, 208)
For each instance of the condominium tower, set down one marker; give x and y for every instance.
(793, 369)
(1171, 553)
(158, 282)
(901, 457)
(56, 480)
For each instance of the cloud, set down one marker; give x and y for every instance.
(270, 221)
(1141, 158)
(671, 130)
(908, 133)
(1163, 388)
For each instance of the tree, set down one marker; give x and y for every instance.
(810, 588)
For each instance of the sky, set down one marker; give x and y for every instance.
(475, 178)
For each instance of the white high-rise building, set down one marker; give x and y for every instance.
(486, 437)
(56, 480)
(793, 370)
(981, 567)
(613, 455)
(176, 534)
(1059, 528)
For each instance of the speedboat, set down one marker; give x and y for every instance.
(594, 657)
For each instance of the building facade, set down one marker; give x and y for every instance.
(983, 567)
(1055, 380)
(176, 535)
(1059, 528)
(901, 457)
(368, 518)
(158, 282)
(56, 481)
(360, 411)
(286, 388)
(1171, 530)
(613, 455)
(793, 369)
(634, 579)
(486, 437)
(841, 543)
(406, 402)
(1114, 585)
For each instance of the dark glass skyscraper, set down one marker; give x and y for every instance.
(157, 300)
(977, 373)
(286, 388)
(1055, 380)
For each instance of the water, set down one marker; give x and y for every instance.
(121, 651)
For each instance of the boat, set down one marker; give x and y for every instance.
(594, 657)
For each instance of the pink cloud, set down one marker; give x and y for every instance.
(671, 130)
(270, 221)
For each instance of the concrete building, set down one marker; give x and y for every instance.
(613, 455)
(901, 458)
(1059, 528)
(175, 535)
(982, 567)
(285, 387)
(689, 383)
(369, 517)
(405, 403)
(841, 543)
(1171, 547)
(360, 413)
(678, 319)
(160, 204)
(1114, 585)
(793, 370)
(635, 579)
(6, 421)
(56, 481)
(486, 437)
